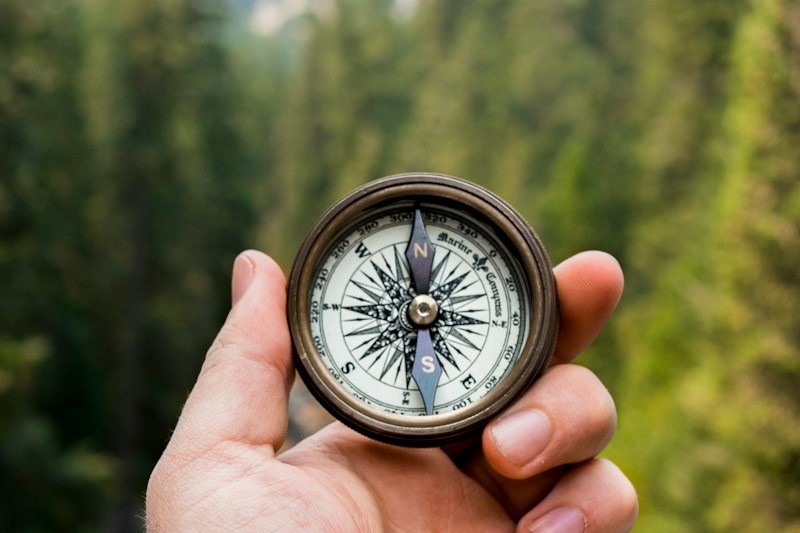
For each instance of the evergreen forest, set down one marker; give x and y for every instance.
(144, 143)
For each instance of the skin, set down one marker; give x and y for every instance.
(221, 471)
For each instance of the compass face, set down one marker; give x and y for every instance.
(363, 291)
(421, 305)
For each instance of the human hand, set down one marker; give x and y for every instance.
(534, 469)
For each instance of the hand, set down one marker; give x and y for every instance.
(535, 467)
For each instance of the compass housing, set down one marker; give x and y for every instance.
(507, 226)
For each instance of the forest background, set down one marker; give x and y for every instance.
(144, 143)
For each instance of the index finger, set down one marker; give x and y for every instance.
(589, 289)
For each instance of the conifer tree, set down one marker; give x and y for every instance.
(751, 370)
(168, 212)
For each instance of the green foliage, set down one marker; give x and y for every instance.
(37, 466)
(144, 143)
(125, 197)
(718, 258)
(757, 279)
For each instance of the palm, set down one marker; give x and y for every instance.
(339, 481)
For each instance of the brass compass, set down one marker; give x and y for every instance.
(421, 305)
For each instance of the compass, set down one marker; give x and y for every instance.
(420, 306)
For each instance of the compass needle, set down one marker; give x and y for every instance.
(420, 306)
(419, 253)
(422, 311)
(426, 370)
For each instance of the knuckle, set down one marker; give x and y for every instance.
(583, 411)
(219, 352)
(597, 404)
(627, 499)
(604, 414)
(582, 392)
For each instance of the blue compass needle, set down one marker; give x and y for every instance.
(426, 369)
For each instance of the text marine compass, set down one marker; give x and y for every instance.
(421, 305)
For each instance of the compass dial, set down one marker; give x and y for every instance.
(364, 293)
(420, 306)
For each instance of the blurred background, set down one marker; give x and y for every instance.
(144, 143)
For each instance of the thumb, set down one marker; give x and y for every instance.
(242, 392)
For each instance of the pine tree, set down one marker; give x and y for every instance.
(346, 107)
(169, 210)
(719, 451)
(752, 360)
(54, 473)
(125, 197)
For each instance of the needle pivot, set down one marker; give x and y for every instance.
(423, 310)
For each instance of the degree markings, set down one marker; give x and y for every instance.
(367, 307)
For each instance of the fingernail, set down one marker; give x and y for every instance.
(521, 436)
(560, 520)
(243, 273)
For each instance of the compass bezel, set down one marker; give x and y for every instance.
(522, 243)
